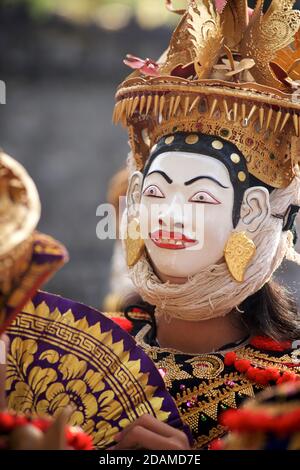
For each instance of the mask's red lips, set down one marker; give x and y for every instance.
(171, 240)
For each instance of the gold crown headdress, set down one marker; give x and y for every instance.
(227, 72)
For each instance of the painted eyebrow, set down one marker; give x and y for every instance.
(163, 174)
(187, 183)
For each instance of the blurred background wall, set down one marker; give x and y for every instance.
(61, 61)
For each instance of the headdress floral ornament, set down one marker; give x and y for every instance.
(252, 102)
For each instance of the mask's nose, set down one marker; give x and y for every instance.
(172, 217)
(177, 225)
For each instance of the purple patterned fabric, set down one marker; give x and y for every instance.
(82, 357)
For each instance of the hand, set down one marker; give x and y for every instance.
(148, 432)
(55, 437)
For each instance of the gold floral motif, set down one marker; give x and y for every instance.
(79, 391)
(87, 374)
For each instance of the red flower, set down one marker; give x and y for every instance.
(78, 439)
(230, 419)
(216, 444)
(42, 424)
(229, 358)
(245, 420)
(20, 421)
(274, 374)
(251, 373)
(242, 365)
(262, 377)
(146, 66)
(287, 377)
(7, 422)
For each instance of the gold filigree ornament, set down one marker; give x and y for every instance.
(223, 70)
(134, 242)
(238, 252)
(206, 367)
(286, 63)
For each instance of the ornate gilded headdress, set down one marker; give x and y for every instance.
(27, 258)
(19, 215)
(228, 72)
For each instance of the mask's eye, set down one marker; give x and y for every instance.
(153, 191)
(204, 198)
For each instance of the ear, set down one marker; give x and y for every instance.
(134, 191)
(255, 209)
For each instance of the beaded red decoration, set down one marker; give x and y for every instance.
(75, 438)
(266, 376)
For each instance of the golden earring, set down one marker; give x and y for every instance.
(134, 245)
(238, 252)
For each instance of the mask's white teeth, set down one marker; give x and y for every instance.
(171, 241)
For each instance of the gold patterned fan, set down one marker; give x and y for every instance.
(64, 353)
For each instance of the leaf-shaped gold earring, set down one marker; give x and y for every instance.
(238, 252)
(134, 243)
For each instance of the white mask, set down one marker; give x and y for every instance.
(208, 290)
(186, 211)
